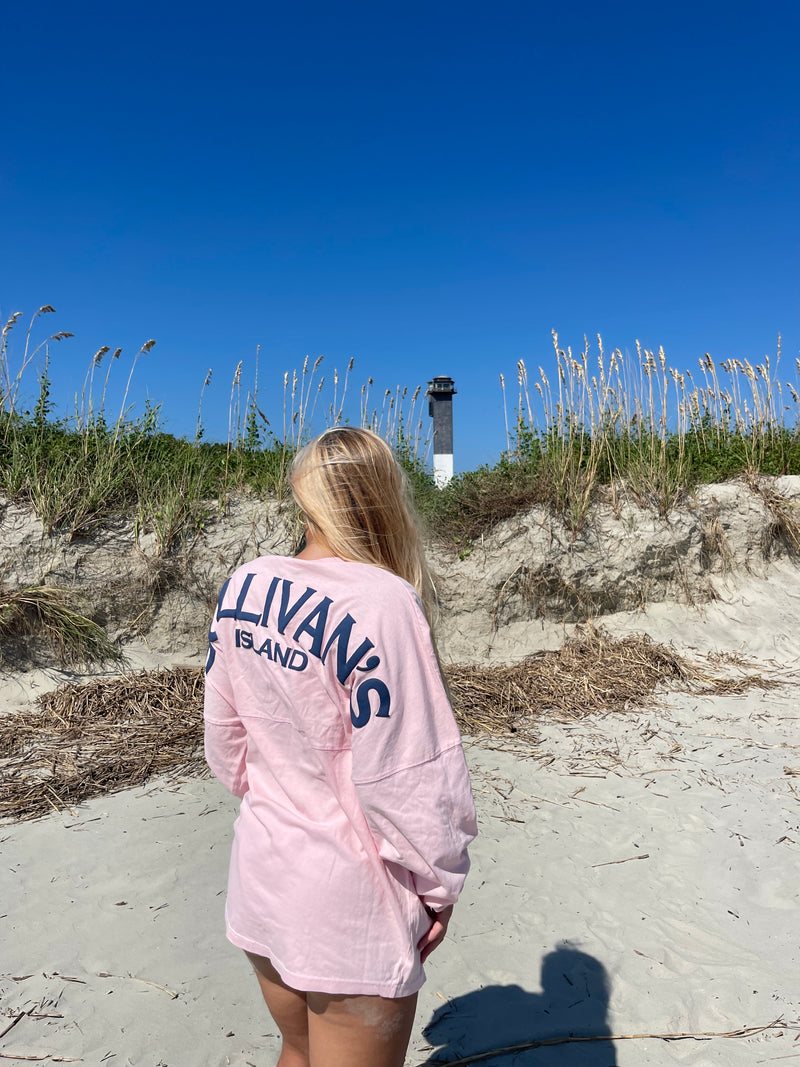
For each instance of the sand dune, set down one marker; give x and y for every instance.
(634, 874)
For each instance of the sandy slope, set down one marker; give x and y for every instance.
(633, 874)
(697, 930)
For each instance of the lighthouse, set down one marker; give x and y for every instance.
(440, 408)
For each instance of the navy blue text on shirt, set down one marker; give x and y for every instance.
(310, 620)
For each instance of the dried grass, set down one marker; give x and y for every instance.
(89, 740)
(785, 525)
(49, 613)
(592, 672)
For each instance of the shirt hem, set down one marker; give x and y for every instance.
(307, 984)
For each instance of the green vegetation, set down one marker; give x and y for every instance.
(635, 427)
(611, 424)
(50, 613)
(79, 471)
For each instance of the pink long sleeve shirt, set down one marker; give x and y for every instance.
(326, 713)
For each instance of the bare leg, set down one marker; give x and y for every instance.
(289, 1008)
(359, 1031)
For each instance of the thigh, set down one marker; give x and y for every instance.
(359, 1031)
(287, 1006)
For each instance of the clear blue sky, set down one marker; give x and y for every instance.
(428, 188)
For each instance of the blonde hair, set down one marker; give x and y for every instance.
(356, 500)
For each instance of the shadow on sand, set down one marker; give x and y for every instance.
(573, 1003)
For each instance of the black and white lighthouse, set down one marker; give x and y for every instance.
(440, 408)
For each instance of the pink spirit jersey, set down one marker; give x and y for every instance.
(326, 713)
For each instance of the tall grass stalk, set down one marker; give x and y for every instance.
(644, 426)
(10, 380)
(631, 423)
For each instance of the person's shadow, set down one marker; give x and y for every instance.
(573, 1003)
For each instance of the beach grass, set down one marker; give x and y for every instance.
(607, 425)
(630, 427)
(51, 614)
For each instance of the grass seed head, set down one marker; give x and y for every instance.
(11, 322)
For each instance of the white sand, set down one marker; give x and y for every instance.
(111, 920)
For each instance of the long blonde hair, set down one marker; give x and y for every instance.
(356, 500)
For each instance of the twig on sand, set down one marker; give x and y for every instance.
(144, 981)
(610, 863)
(746, 1031)
(46, 1056)
(13, 1023)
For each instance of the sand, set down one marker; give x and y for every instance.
(634, 874)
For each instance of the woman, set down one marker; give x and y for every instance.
(326, 713)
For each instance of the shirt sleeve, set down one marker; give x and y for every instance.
(408, 766)
(225, 738)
